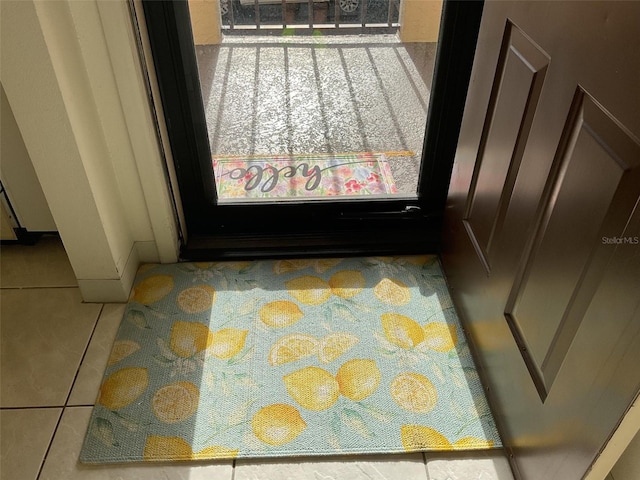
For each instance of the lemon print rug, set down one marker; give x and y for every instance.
(286, 358)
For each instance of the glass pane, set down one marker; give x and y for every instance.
(315, 113)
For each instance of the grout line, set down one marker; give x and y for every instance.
(31, 407)
(233, 469)
(41, 287)
(53, 436)
(424, 462)
(64, 408)
(86, 349)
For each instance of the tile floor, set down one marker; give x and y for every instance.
(53, 352)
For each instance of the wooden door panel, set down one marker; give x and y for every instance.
(547, 172)
(515, 94)
(597, 162)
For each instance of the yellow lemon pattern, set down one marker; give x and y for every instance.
(414, 392)
(152, 289)
(419, 437)
(122, 349)
(402, 330)
(334, 345)
(280, 313)
(123, 387)
(189, 338)
(347, 283)
(197, 299)
(170, 448)
(158, 448)
(319, 266)
(312, 388)
(277, 424)
(309, 290)
(175, 402)
(358, 378)
(473, 443)
(392, 291)
(292, 347)
(440, 336)
(222, 360)
(287, 266)
(227, 342)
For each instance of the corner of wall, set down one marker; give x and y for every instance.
(73, 76)
(115, 290)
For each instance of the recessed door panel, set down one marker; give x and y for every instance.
(515, 94)
(591, 192)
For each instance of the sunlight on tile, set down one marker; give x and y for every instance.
(378, 467)
(480, 466)
(62, 460)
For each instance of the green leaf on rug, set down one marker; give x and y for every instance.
(376, 413)
(165, 351)
(336, 424)
(342, 312)
(240, 413)
(355, 422)
(250, 306)
(137, 318)
(241, 356)
(103, 431)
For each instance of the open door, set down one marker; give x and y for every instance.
(542, 225)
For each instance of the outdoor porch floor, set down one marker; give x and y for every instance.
(319, 94)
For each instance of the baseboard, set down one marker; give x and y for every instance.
(147, 252)
(112, 290)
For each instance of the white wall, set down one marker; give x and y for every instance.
(74, 81)
(18, 176)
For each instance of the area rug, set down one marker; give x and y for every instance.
(294, 176)
(288, 358)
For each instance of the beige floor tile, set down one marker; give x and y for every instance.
(85, 388)
(62, 460)
(44, 335)
(42, 265)
(475, 466)
(24, 439)
(378, 467)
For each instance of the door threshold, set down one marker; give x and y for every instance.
(315, 244)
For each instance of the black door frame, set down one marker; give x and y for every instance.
(306, 228)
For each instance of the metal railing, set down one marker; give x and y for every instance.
(262, 17)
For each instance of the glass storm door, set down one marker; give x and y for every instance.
(298, 134)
